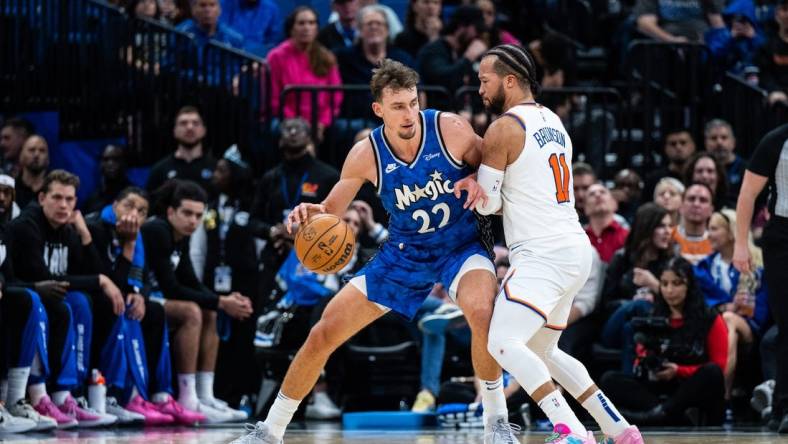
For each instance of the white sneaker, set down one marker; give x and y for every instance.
(213, 415)
(11, 424)
(322, 407)
(218, 404)
(258, 434)
(124, 416)
(23, 409)
(104, 419)
(762, 395)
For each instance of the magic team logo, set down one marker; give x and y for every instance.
(436, 186)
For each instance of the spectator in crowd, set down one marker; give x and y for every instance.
(583, 176)
(721, 143)
(357, 62)
(341, 33)
(678, 148)
(258, 21)
(204, 25)
(438, 318)
(736, 45)
(627, 191)
(495, 35)
(422, 25)
(132, 378)
(21, 315)
(13, 135)
(664, 21)
(173, 12)
(113, 179)
(692, 372)
(606, 235)
(299, 178)
(772, 59)
(303, 60)
(144, 9)
(395, 25)
(448, 61)
(230, 265)
(691, 235)
(741, 299)
(555, 54)
(50, 241)
(189, 306)
(704, 168)
(668, 194)
(190, 161)
(630, 279)
(33, 164)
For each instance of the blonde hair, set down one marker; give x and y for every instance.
(727, 217)
(671, 182)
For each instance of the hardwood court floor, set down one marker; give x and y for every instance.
(332, 435)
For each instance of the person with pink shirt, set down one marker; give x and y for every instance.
(302, 60)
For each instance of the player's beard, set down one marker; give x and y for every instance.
(497, 102)
(408, 135)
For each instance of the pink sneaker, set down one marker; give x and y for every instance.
(629, 436)
(85, 416)
(48, 408)
(153, 417)
(563, 435)
(177, 411)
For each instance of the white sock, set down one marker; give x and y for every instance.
(60, 397)
(17, 383)
(36, 392)
(558, 412)
(161, 397)
(281, 413)
(187, 393)
(4, 391)
(134, 392)
(493, 399)
(205, 385)
(604, 412)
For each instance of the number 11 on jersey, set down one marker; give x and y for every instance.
(561, 176)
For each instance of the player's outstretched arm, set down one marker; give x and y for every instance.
(504, 136)
(359, 167)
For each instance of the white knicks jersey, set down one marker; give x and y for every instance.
(538, 199)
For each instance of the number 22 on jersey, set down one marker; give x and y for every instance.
(561, 176)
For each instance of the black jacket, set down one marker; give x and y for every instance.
(112, 262)
(171, 270)
(40, 252)
(199, 170)
(271, 199)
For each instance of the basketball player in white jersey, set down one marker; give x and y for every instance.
(526, 173)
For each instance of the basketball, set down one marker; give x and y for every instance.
(325, 244)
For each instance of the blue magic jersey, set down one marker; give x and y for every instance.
(419, 196)
(430, 235)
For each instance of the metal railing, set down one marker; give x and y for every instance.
(669, 85)
(590, 114)
(352, 114)
(111, 75)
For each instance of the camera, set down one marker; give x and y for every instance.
(653, 334)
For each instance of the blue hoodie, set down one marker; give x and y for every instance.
(715, 295)
(735, 54)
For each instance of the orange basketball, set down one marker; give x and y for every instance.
(325, 244)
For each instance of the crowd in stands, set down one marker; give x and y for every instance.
(153, 302)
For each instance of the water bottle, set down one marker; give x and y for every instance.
(747, 286)
(97, 392)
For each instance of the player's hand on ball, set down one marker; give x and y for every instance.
(301, 214)
(475, 192)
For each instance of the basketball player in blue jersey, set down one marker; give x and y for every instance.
(525, 173)
(415, 159)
